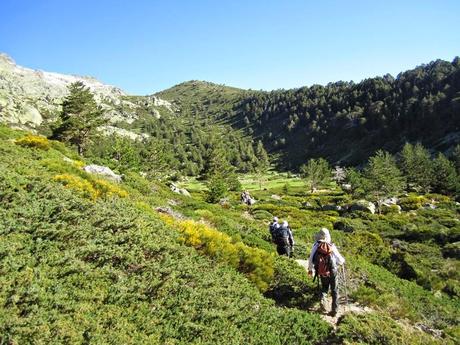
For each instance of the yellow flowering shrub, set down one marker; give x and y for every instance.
(90, 189)
(107, 189)
(78, 184)
(31, 140)
(255, 263)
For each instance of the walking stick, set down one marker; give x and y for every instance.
(345, 285)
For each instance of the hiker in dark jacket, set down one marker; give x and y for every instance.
(284, 239)
(274, 225)
(324, 260)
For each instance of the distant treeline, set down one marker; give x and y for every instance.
(347, 122)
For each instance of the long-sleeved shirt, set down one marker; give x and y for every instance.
(336, 257)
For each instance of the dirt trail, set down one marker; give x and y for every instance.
(344, 307)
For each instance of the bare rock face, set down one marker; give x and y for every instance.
(103, 171)
(29, 97)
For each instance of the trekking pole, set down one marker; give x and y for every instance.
(345, 285)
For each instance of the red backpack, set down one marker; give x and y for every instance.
(322, 259)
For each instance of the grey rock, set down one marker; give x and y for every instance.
(363, 205)
(346, 187)
(103, 171)
(178, 190)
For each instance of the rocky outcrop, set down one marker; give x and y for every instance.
(30, 97)
(103, 171)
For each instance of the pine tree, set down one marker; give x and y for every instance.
(316, 172)
(262, 163)
(417, 166)
(456, 158)
(79, 118)
(383, 178)
(445, 179)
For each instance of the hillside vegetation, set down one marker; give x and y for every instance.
(344, 122)
(87, 260)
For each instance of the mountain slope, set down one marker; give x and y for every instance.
(343, 121)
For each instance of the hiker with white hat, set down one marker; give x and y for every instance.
(324, 261)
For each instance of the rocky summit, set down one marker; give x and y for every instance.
(30, 98)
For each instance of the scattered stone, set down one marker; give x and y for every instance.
(363, 205)
(103, 171)
(389, 201)
(395, 244)
(429, 206)
(434, 332)
(275, 197)
(169, 211)
(173, 202)
(178, 190)
(346, 187)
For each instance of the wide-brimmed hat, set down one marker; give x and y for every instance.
(323, 235)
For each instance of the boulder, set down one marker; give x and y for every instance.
(363, 205)
(389, 201)
(346, 187)
(103, 171)
(178, 190)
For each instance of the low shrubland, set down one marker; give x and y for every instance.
(85, 260)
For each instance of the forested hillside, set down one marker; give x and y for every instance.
(344, 122)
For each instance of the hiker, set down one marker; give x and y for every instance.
(273, 226)
(284, 239)
(324, 260)
(246, 198)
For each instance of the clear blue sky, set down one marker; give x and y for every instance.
(145, 46)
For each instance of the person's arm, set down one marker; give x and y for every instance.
(291, 237)
(340, 260)
(310, 259)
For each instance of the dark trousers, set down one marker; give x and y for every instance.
(284, 250)
(331, 282)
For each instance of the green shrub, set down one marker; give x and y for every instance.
(412, 202)
(371, 328)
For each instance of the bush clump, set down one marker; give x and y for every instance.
(77, 184)
(379, 329)
(36, 141)
(90, 189)
(256, 263)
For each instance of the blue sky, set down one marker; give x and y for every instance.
(145, 46)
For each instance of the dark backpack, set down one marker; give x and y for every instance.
(281, 236)
(322, 259)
